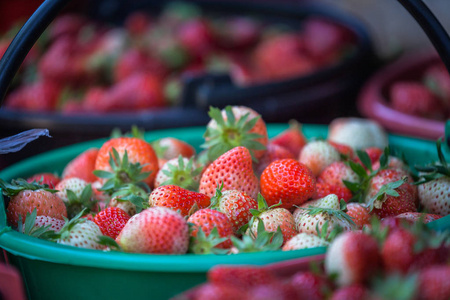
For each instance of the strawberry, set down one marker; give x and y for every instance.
(274, 290)
(245, 276)
(236, 32)
(281, 50)
(352, 292)
(66, 24)
(111, 221)
(359, 214)
(79, 232)
(137, 151)
(324, 189)
(137, 22)
(344, 150)
(181, 172)
(93, 99)
(434, 196)
(45, 178)
(158, 230)
(236, 205)
(234, 169)
(273, 153)
(196, 36)
(232, 127)
(82, 166)
(315, 216)
(76, 194)
(418, 216)
(25, 197)
(357, 133)
(304, 241)
(336, 172)
(40, 225)
(397, 251)
(288, 181)
(40, 96)
(310, 285)
(178, 198)
(208, 220)
(139, 91)
(433, 283)
(219, 291)
(273, 218)
(414, 98)
(317, 155)
(291, 138)
(354, 257)
(169, 148)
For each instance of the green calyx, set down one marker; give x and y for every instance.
(434, 170)
(20, 184)
(230, 133)
(133, 193)
(76, 204)
(182, 174)
(206, 244)
(261, 242)
(30, 229)
(123, 172)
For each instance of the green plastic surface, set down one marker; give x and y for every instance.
(53, 271)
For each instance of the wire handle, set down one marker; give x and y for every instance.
(24, 41)
(431, 26)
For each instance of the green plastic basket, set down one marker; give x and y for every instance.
(53, 271)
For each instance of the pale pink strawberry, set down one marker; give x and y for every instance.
(418, 216)
(76, 185)
(169, 148)
(291, 138)
(179, 171)
(227, 130)
(53, 223)
(358, 133)
(353, 257)
(158, 230)
(317, 155)
(82, 166)
(336, 172)
(434, 196)
(233, 169)
(313, 215)
(236, 205)
(304, 241)
(359, 213)
(83, 234)
(76, 194)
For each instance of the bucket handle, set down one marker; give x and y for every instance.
(24, 41)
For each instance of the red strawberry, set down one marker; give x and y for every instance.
(67, 24)
(208, 219)
(291, 138)
(155, 230)
(343, 149)
(111, 221)
(352, 292)
(353, 257)
(93, 99)
(310, 285)
(276, 290)
(416, 99)
(234, 169)
(240, 276)
(82, 166)
(317, 155)
(219, 291)
(336, 172)
(137, 92)
(359, 213)
(196, 36)
(178, 198)
(138, 151)
(273, 153)
(324, 189)
(25, 197)
(137, 23)
(398, 250)
(287, 181)
(41, 96)
(45, 178)
(433, 283)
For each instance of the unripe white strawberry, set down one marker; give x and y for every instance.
(155, 230)
(180, 171)
(83, 234)
(76, 194)
(55, 224)
(317, 155)
(357, 133)
(304, 241)
(74, 184)
(434, 196)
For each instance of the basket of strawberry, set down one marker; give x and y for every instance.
(165, 206)
(86, 70)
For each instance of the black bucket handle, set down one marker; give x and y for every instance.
(24, 41)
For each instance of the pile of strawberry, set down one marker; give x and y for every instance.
(79, 65)
(425, 97)
(391, 259)
(243, 192)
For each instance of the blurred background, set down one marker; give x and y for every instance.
(102, 65)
